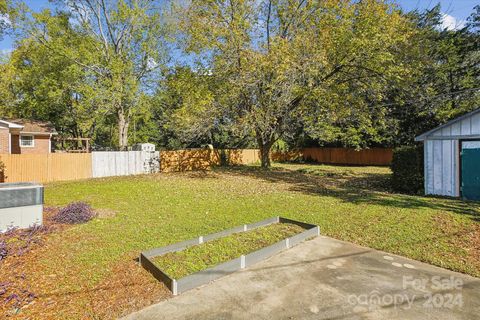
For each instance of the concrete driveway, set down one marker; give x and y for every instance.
(329, 279)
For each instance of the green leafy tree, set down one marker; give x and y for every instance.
(51, 88)
(7, 91)
(443, 82)
(288, 63)
(122, 48)
(186, 114)
(37, 84)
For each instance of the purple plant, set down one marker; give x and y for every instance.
(12, 297)
(3, 250)
(33, 231)
(16, 242)
(3, 288)
(19, 299)
(76, 212)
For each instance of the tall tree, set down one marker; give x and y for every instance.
(127, 48)
(37, 84)
(51, 88)
(287, 62)
(444, 78)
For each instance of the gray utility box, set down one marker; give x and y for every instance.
(21, 205)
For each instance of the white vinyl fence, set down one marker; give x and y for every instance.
(123, 163)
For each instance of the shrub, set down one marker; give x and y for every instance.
(76, 212)
(407, 168)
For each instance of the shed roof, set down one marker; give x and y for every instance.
(423, 136)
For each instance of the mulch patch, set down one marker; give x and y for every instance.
(28, 291)
(16, 291)
(128, 288)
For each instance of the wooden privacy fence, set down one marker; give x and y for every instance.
(239, 156)
(186, 160)
(46, 167)
(204, 159)
(375, 156)
(68, 166)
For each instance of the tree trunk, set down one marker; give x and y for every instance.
(265, 145)
(265, 156)
(123, 124)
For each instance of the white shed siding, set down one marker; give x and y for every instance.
(456, 129)
(437, 168)
(428, 166)
(441, 167)
(468, 126)
(465, 127)
(447, 169)
(475, 124)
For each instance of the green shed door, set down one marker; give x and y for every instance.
(471, 170)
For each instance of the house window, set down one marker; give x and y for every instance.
(27, 142)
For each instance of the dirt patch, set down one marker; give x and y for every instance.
(126, 289)
(105, 213)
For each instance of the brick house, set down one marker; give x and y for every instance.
(25, 137)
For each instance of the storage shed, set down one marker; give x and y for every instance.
(452, 157)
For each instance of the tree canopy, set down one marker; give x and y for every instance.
(239, 73)
(284, 64)
(117, 46)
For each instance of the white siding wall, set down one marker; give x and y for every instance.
(442, 167)
(121, 163)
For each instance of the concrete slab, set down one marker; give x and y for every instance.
(329, 279)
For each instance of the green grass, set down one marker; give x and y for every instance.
(182, 263)
(349, 203)
(92, 267)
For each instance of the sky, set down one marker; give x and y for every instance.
(455, 13)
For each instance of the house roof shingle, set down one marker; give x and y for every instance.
(33, 126)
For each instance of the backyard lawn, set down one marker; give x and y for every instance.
(89, 270)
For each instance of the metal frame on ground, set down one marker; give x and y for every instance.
(202, 277)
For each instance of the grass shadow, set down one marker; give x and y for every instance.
(354, 187)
